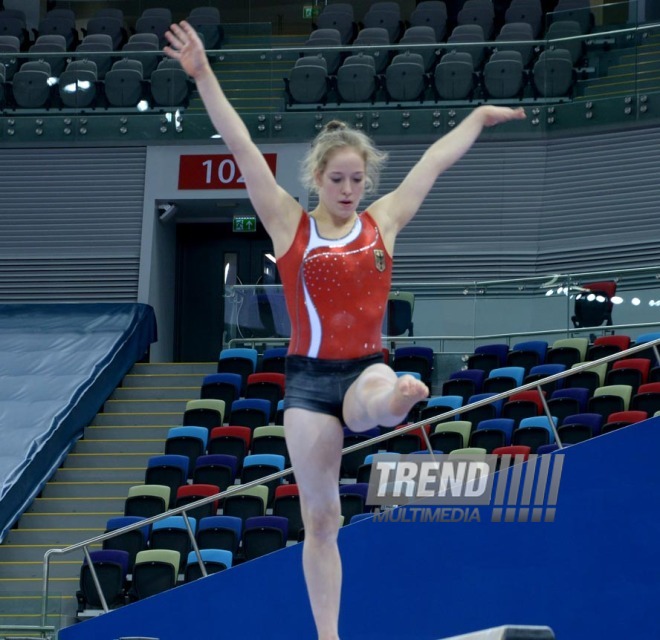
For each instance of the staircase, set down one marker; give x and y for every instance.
(623, 73)
(252, 75)
(90, 488)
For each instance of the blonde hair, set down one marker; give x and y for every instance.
(337, 135)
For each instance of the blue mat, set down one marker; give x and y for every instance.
(58, 365)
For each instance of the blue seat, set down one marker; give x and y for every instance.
(111, 568)
(353, 498)
(650, 354)
(541, 371)
(580, 426)
(216, 468)
(503, 379)
(465, 383)
(250, 412)
(504, 425)
(220, 532)
(488, 357)
(258, 465)
(242, 361)
(264, 534)
(527, 354)
(564, 402)
(214, 560)
(485, 412)
(437, 405)
(222, 386)
(534, 432)
(415, 358)
(131, 542)
(187, 441)
(172, 533)
(170, 470)
(273, 359)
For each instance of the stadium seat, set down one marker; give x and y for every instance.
(207, 412)
(155, 571)
(111, 569)
(263, 535)
(214, 560)
(167, 470)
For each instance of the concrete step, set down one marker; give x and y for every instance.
(62, 570)
(91, 491)
(106, 504)
(54, 537)
(155, 405)
(152, 446)
(126, 432)
(102, 460)
(171, 419)
(163, 380)
(153, 393)
(157, 368)
(92, 519)
(92, 475)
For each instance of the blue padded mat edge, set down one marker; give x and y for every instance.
(58, 365)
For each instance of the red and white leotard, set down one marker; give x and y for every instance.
(336, 290)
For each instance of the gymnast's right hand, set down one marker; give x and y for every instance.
(186, 47)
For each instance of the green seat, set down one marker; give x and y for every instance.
(147, 500)
(208, 412)
(468, 451)
(610, 399)
(155, 571)
(246, 503)
(451, 435)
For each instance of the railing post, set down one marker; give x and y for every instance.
(95, 578)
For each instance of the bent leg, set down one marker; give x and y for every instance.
(314, 442)
(380, 397)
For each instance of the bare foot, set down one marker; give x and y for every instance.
(407, 392)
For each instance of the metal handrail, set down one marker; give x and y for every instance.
(236, 489)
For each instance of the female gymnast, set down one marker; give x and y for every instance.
(335, 265)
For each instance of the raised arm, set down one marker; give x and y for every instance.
(278, 211)
(394, 210)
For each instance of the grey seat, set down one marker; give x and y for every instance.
(78, 84)
(566, 29)
(529, 11)
(422, 35)
(405, 79)
(431, 13)
(479, 12)
(209, 27)
(31, 85)
(97, 48)
(170, 84)
(54, 48)
(107, 25)
(512, 36)
(10, 47)
(159, 12)
(576, 10)
(374, 37)
(154, 23)
(12, 25)
(470, 38)
(553, 74)
(356, 79)
(503, 75)
(454, 76)
(308, 81)
(318, 42)
(124, 83)
(385, 15)
(60, 22)
(339, 20)
(144, 47)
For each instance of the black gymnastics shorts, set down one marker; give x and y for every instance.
(320, 385)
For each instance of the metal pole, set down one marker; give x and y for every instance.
(95, 578)
(194, 545)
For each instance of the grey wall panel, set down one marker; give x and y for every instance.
(70, 223)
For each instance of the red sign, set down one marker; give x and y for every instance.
(214, 171)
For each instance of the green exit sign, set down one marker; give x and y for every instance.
(310, 11)
(242, 224)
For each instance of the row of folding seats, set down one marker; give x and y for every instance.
(434, 14)
(453, 78)
(108, 21)
(78, 86)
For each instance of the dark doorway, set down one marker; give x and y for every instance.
(208, 256)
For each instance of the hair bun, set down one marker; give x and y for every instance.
(335, 125)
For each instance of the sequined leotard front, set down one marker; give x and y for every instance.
(336, 290)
